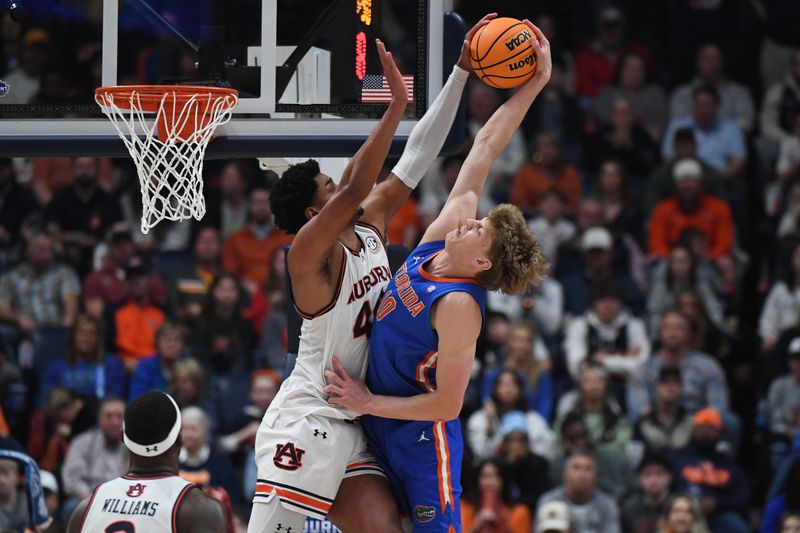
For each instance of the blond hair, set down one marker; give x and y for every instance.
(517, 259)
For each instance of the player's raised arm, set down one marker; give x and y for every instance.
(424, 143)
(315, 239)
(490, 142)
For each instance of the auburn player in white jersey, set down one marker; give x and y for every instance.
(151, 497)
(312, 456)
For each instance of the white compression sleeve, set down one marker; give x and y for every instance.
(428, 135)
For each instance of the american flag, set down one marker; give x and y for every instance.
(375, 88)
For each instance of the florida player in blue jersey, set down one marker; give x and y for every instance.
(426, 327)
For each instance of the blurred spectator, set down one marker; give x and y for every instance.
(680, 272)
(595, 63)
(720, 483)
(790, 523)
(10, 32)
(481, 103)
(483, 427)
(683, 515)
(612, 190)
(188, 385)
(552, 228)
(667, 426)
(247, 251)
(702, 377)
(633, 82)
(591, 509)
(781, 309)
(39, 292)
(51, 427)
(596, 245)
(782, 104)
(719, 140)
(622, 138)
(641, 513)
(95, 456)
(788, 164)
(189, 286)
(783, 400)
(614, 474)
(16, 204)
(735, 103)
(227, 211)
(691, 207)
(52, 499)
(570, 254)
(83, 212)
(525, 472)
(706, 335)
(789, 221)
(546, 170)
(606, 334)
(198, 462)
(52, 175)
(136, 322)
(594, 402)
(436, 187)
(24, 81)
(86, 369)
(660, 185)
(553, 517)
(523, 356)
(158, 371)
(107, 288)
(785, 504)
(13, 500)
(489, 507)
(271, 351)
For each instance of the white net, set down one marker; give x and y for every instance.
(168, 151)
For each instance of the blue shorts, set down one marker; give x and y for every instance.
(423, 463)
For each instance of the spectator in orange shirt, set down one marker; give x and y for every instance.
(692, 207)
(137, 322)
(247, 252)
(490, 507)
(546, 170)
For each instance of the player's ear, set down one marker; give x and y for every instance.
(311, 212)
(481, 263)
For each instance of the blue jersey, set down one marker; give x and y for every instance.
(422, 460)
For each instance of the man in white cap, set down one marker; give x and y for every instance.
(553, 517)
(150, 497)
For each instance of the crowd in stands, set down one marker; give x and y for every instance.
(651, 383)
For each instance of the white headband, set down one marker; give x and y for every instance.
(155, 449)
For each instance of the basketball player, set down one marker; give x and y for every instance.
(426, 327)
(150, 497)
(312, 457)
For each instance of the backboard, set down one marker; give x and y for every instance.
(307, 71)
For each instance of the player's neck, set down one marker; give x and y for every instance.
(152, 470)
(443, 265)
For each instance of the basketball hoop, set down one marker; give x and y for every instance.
(169, 150)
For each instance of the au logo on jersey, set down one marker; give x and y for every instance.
(372, 244)
(135, 490)
(288, 456)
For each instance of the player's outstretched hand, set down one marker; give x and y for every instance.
(544, 61)
(350, 393)
(393, 76)
(463, 60)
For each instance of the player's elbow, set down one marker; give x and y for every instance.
(449, 409)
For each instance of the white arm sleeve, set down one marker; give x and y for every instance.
(428, 135)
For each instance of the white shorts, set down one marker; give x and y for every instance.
(303, 461)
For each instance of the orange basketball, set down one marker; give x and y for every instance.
(502, 54)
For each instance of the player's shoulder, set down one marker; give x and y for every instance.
(200, 513)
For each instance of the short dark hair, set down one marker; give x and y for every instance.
(684, 134)
(149, 418)
(606, 289)
(655, 458)
(292, 194)
(706, 89)
(669, 373)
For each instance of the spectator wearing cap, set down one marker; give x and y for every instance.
(83, 212)
(596, 265)
(489, 505)
(718, 482)
(52, 499)
(783, 400)
(546, 170)
(525, 471)
(781, 309)
(484, 425)
(590, 508)
(13, 501)
(668, 426)
(16, 204)
(736, 103)
(157, 372)
(107, 288)
(189, 286)
(719, 140)
(606, 334)
(641, 512)
(660, 185)
(692, 207)
(137, 322)
(553, 517)
(24, 81)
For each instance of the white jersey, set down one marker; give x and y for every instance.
(133, 504)
(341, 328)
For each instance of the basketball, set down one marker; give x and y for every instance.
(501, 53)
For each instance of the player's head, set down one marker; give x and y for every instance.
(500, 248)
(299, 195)
(151, 430)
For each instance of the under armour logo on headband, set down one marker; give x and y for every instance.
(153, 449)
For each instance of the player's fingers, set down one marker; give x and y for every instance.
(340, 369)
(540, 37)
(480, 24)
(332, 376)
(333, 389)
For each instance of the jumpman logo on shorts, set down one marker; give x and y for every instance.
(423, 438)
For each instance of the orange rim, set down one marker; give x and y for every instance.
(149, 96)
